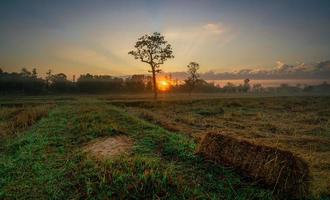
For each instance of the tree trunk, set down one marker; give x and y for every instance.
(154, 82)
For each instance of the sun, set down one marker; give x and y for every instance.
(163, 85)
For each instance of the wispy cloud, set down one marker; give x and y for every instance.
(203, 31)
(213, 28)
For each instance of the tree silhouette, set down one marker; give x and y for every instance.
(153, 50)
(25, 72)
(48, 78)
(193, 76)
(34, 73)
(246, 86)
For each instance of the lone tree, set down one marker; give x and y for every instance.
(246, 86)
(193, 76)
(154, 50)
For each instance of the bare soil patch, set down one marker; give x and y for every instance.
(109, 147)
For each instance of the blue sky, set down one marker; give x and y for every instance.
(82, 36)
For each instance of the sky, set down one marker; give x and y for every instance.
(81, 36)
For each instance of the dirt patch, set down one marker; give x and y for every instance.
(109, 147)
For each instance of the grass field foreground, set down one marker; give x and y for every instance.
(46, 161)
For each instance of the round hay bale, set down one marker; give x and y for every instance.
(286, 174)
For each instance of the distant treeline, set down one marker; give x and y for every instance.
(28, 82)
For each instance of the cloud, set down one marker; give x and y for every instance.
(282, 67)
(323, 66)
(204, 31)
(285, 68)
(214, 28)
(281, 70)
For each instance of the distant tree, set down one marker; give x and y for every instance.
(48, 78)
(1, 71)
(136, 83)
(25, 72)
(60, 83)
(246, 86)
(59, 77)
(229, 87)
(286, 88)
(88, 83)
(322, 88)
(153, 50)
(23, 82)
(193, 76)
(34, 73)
(204, 86)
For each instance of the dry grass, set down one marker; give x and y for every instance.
(159, 120)
(16, 119)
(284, 172)
(316, 152)
(297, 124)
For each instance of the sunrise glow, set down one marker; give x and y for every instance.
(164, 85)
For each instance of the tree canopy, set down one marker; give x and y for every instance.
(193, 76)
(153, 50)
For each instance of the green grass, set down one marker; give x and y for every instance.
(46, 162)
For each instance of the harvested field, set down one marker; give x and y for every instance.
(49, 160)
(300, 125)
(16, 119)
(152, 145)
(286, 174)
